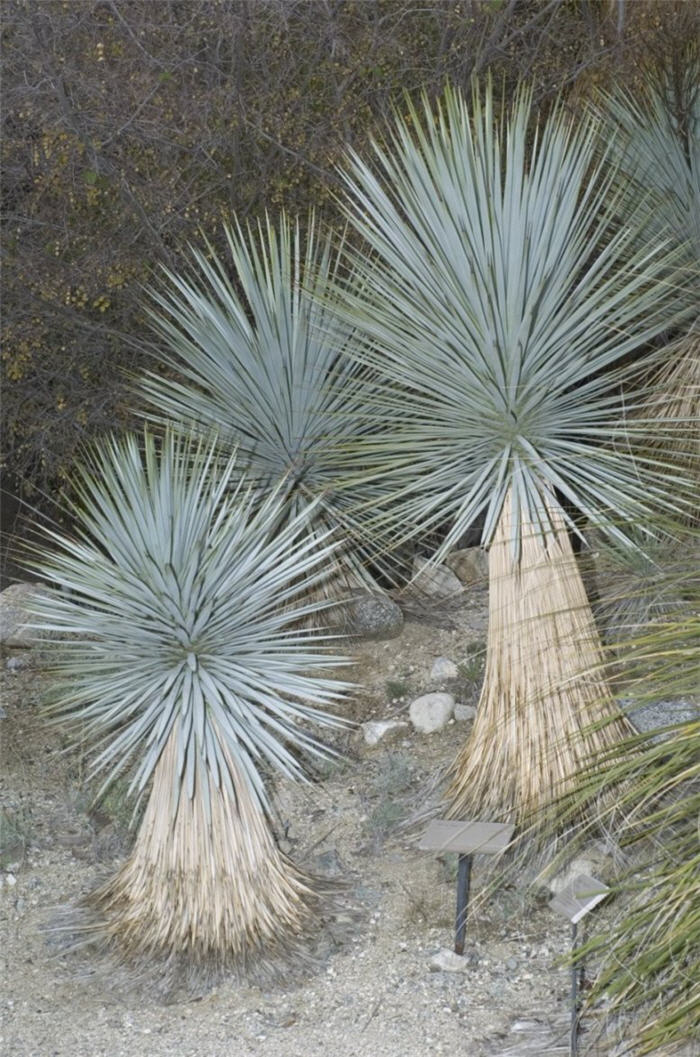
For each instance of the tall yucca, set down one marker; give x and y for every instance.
(181, 661)
(499, 291)
(258, 353)
(657, 142)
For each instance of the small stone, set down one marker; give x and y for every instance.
(470, 565)
(386, 730)
(443, 668)
(431, 712)
(372, 616)
(10, 880)
(435, 580)
(464, 713)
(446, 961)
(511, 964)
(3, 713)
(17, 664)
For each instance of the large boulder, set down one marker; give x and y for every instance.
(14, 616)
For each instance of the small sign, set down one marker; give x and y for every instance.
(579, 897)
(466, 838)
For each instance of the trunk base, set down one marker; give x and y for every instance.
(546, 709)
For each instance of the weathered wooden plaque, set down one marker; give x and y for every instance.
(579, 897)
(466, 838)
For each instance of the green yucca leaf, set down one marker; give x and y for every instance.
(256, 351)
(178, 604)
(499, 298)
(648, 794)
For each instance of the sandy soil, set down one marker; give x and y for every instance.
(373, 993)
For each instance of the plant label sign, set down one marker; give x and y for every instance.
(574, 902)
(579, 897)
(467, 839)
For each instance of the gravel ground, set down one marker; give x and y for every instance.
(373, 993)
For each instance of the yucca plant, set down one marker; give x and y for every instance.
(181, 662)
(256, 351)
(500, 292)
(648, 793)
(656, 136)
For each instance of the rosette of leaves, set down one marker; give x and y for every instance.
(255, 350)
(181, 661)
(499, 289)
(655, 133)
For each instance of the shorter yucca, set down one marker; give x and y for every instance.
(182, 660)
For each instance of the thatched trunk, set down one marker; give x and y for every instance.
(219, 892)
(544, 682)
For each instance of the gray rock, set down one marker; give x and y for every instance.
(372, 616)
(650, 717)
(435, 580)
(443, 668)
(385, 730)
(14, 614)
(464, 713)
(470, 566)
(329, 863)
(3, 713)
(446, 961)
(17, 663)
(431, 712)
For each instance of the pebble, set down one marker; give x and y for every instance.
(17, 664)
(382, 730)
(446, 961)
(464, 713)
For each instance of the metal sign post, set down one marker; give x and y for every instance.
(574, 902)
(467, 839)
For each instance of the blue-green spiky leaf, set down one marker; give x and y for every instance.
(178, 604)
(500, 299)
